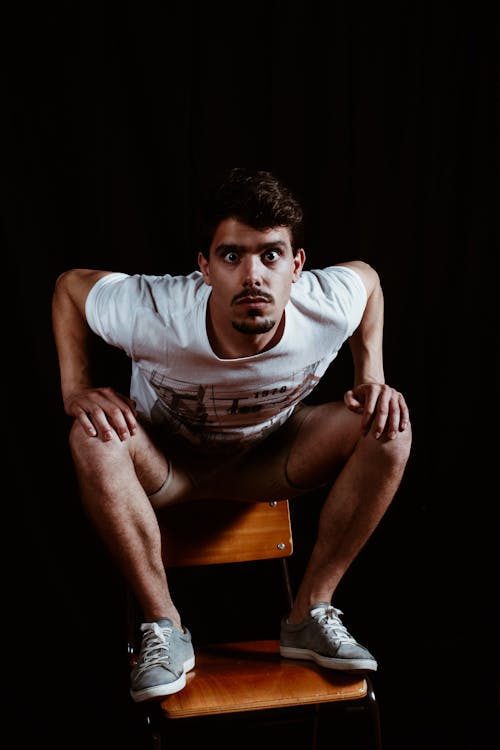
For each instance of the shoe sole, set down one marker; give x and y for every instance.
(343, 665)
(160, 691)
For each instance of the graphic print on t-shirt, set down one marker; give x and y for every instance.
(215, 412)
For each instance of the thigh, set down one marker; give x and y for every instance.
(326, 439)
(96, 458)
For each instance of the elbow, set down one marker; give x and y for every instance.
(67, 288)
(61, 285)
(65, 277)
(69, 282)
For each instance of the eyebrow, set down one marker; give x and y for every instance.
(225, 247)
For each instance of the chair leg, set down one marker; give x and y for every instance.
(315, 728)
(374, 715)
(156, 741)
(154, 732)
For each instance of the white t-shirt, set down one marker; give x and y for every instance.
(178, 381)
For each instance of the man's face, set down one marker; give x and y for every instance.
(251, 273)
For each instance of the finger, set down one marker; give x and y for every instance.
(369, 410)
(133, 406)
(394, 417)
(125, 423)
(381, 413)
(130, 418)
(99, 418)
(120, 412)
(87, 425)
(405, 414)
(352, 402)
(120, 399)
(122, 420)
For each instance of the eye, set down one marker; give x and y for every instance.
(231, 256)
(271, 255)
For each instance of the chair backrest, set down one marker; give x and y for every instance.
(225, 531)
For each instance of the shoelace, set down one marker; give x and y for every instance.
(155, 646)
(329, 619)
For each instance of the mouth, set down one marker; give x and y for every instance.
(246, 299)
(252, 301)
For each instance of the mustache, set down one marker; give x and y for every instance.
(250, 292)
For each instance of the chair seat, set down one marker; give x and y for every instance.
(250, 676)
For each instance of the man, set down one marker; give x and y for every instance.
(222, 360)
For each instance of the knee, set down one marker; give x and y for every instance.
(399, 448)
(80, 443)
(88, 451)
(392, 453)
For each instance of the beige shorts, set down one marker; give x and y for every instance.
(258, 473)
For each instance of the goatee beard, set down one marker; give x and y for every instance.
(263, 326)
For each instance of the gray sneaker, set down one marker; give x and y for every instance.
(323, 638)
(165, 657)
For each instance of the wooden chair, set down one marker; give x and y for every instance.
(238, 688)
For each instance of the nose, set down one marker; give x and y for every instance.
(252, 270)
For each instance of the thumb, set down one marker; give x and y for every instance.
(352, 402)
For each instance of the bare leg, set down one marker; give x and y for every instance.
(115, 479)
(371, 472)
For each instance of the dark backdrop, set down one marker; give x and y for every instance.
(382, 120)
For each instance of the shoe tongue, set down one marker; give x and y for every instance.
(164, 622)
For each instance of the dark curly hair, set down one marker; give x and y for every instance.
(256, 198)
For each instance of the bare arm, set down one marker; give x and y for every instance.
(383, 408)
(101, 411)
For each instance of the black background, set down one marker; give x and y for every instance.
(382, 119)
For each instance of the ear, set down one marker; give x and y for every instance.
(204, 268)
(298, 263)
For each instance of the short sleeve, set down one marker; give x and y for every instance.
(109, 309)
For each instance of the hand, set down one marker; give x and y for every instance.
(383, 408)
(103, 412)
